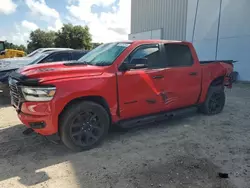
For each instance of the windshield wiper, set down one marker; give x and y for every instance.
(103, 64)
(83, 62)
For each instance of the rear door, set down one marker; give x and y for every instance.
(140, 89)
(183, 76)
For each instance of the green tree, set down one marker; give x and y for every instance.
(22, 47)
(41, 39)
(76, 37)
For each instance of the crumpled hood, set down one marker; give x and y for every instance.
(14, 63)
(55, 71)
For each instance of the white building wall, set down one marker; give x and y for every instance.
(153, 34)
(233, 32)
(167, 15)
(234, 40)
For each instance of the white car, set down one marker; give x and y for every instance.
(41, 50)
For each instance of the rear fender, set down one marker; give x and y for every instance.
(217, 82)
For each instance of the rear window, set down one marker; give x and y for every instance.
(178, 55)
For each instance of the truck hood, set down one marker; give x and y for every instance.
(14, 63)
(55, 71)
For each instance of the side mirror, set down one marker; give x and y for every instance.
(134, 64)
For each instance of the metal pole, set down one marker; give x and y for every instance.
(218, 31)
(195, 19)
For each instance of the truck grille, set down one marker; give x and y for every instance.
(15, 93)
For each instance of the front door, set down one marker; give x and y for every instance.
(140, 89)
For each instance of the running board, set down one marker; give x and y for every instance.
(130, 123)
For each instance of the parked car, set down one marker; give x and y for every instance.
(9, 65)
(122, 83)
(41, 50)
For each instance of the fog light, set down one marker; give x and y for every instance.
(37, 125)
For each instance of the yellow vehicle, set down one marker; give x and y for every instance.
(9, 53)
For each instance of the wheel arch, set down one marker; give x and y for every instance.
(216, 82)
(94, 98)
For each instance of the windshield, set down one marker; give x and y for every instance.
(34, 52)
(38, 57)
(104, 54)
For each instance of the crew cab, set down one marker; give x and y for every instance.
(117, 84)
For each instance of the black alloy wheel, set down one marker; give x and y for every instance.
(86, 129)
(84, 125)
(216, 102)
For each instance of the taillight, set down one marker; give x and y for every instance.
(228, 81)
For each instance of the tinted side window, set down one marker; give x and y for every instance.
(178, 55)
(151, 52)
(77, 55)
(58, 57)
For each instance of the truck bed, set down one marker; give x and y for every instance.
(218, 61)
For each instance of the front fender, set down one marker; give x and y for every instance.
(69, 90)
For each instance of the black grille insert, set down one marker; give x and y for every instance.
(15, 93)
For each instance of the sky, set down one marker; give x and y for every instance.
(108, 20)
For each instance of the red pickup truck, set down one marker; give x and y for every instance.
(121, 83)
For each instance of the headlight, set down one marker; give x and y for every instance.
(38, 93)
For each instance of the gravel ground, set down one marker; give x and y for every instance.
(185, 152)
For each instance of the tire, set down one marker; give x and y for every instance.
(83, 126)
(215, 101)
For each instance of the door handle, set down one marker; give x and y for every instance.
(158, 77)
(193, 73)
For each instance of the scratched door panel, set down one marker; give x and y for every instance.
(181, 89)
(140, 92)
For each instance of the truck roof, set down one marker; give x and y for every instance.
(155, 41)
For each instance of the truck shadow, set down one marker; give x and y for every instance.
(25, 156)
